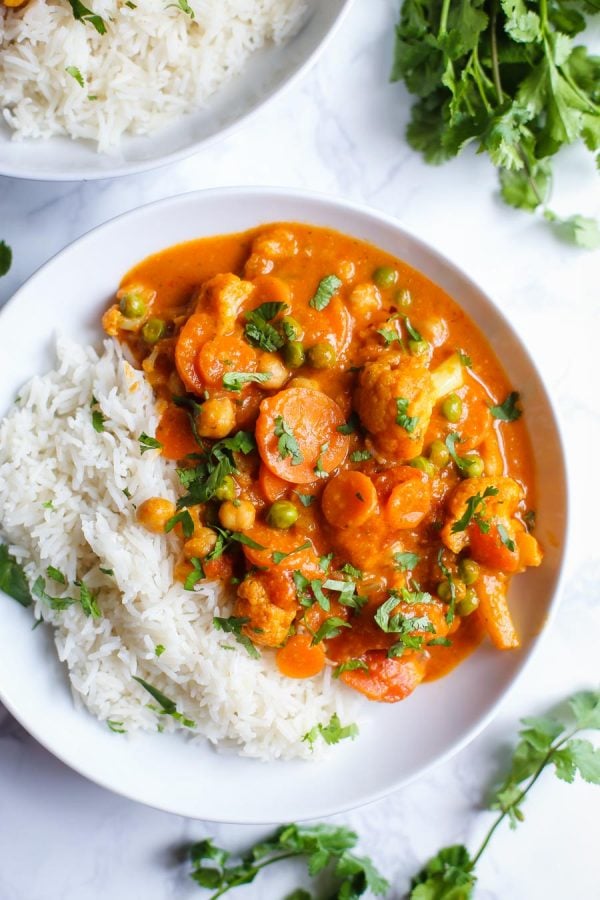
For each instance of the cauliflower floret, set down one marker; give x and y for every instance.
(224, 295)
(257, 600)
(268, 247)
(498, 507)
(394, 400)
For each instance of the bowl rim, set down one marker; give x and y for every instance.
(529, 651)
(135, 168)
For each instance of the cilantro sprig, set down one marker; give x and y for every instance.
(166, 706)
(287, 445)
(507, 411)
(545, 743)
(506, 77)
(12, 578)
(324, 847)
(259, 332)
(213, 465)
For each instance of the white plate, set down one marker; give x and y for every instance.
(396, 742)
(267, 73)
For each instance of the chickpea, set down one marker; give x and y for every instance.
(216, 418)
(237, 515)
(154, 513)
(309, 383)
(270, 362)
(365, 300)
(200, 544)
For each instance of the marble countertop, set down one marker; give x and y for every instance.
(341, 131)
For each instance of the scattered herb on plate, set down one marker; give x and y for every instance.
(5, 258)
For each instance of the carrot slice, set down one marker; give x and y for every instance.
(272, 487)
(270, 289)
(487, 548)
(175, 434)
(312, 419)
(494, 612)
(226, 353)
(387, 680)
(409, 501)
(276, 541)
(332, 324)
(196, 331)
(349, 499)
(298, 659)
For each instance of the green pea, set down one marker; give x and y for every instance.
(294, 355)
(226, 490)
(468, 604)
(468, 570)
(385, 277)
(418, 348)
(452, 407)
(420, 462)
(403, 299)
(444, 591)
(438, 454)
(473, 466)
(282, 514)
(322, 356)
(153, 330)
(292, 328)
(132, 306)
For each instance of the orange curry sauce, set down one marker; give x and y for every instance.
(374, 511)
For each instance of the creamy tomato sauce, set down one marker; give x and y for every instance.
(353, 458)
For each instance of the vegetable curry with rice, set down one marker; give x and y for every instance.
(351, 456)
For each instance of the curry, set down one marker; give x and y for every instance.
(352, 458)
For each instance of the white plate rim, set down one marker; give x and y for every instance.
(135, 168)
(534, 643)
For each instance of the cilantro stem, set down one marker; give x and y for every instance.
(520, 797)
(444, 18)
(243, 879)
(494, 46)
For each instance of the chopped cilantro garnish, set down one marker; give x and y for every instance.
(148, 443)
(325, 562)
(197, 574)
(277, 556)
(234, 381)
(159, 649)
(409, 423)
(332, 733)
(83, 14)
(507, 411)
(233, 625)
(305, 499)
(74, 72)
(474, 509)
(56, 575)
(5, 258)
(12, 578)
(167, 707)
(258, 330)
(318, 468)
(505, 537)
(350, 665)
(187, 523)
(330, 628)
(412, 330)
(116, 726)
(360, 456)
(352, 425)
(406, 561)
(287, 445)
(326, 289)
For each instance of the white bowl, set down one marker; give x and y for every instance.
(266, 75)
(397, 742)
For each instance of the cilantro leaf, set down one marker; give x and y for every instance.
(234, 381)
(233, 625)
(5, 258)
(83, 14)
(350, 665)
(409, 423)
(287, 445)
(507, 411)
(306, 499)
(277, 556)
(332, 733)
(12, 578)
(148, 443)
(258, 330)
(187, 523)
(352, 425)
(74, 72)
(447, 876)
(196, 575)
(406, 561)
(474, 509)
(167, 707)
(330, 628)
(360, 456)
(56, 603)
(88, 601)
(326, 289)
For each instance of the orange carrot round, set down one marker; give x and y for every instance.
(196, 331)
(409, 501)
(297, 436)
(298, 659)
(349, 499)
(276, 541)
(272, 487)
(226, 353)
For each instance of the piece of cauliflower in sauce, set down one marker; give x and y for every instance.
(268, 247)
(268, 601)
(394, 400)
(224, 295)
(498, 507)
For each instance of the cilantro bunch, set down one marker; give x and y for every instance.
(506, 76)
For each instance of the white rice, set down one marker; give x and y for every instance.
(154, 63)
(50, 452)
